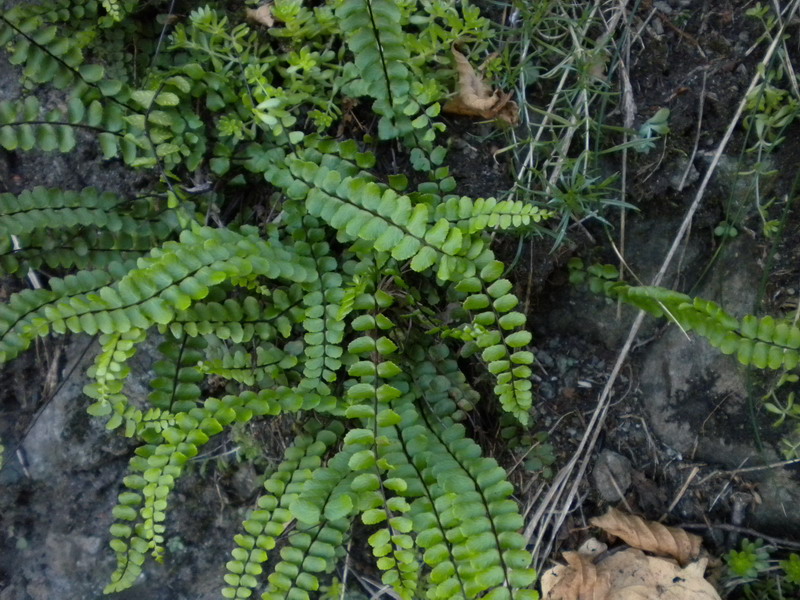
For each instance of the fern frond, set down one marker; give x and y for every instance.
(79, 248)
(324, 331)
(118, 9)
(323, 511)
(45, 210)
(498, 332)
(170, 279)
(488, 213)
(22, 126)
(378, 215)
(267, 523)
(441, 382)
(175, 386)
(140, 512)
(764, 342)
(372, 29)
(242, 320)
(23, 317)
(109, 372)
(265, 367)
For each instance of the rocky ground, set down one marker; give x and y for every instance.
(679, 439)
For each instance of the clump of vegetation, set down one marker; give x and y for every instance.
(278, 255)
(757, 576)
(322, 302)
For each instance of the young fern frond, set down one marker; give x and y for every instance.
(488, 213)
(109, 372)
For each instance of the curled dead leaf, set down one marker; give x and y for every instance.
(649, 535)
(476, 99)
(261, 15)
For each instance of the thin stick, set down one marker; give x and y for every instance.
(680, 493)
(697, 133)
(747, 531)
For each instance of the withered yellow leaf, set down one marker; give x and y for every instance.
(649, 535)
(476, 99)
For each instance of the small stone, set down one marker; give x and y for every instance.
(611, 476)
(656, 27)
(547, 391)
(680, 167)
(663, 7)
(544, 357)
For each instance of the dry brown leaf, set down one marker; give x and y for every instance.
(262, 15)
(626, 575)
(636, 576)
(577, 580)
(476, 99)
(649, 535)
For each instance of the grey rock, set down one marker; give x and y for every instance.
(611, 475)
(682, 174)
(663, 7)
(696, 398)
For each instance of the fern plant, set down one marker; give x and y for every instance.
(328, 310)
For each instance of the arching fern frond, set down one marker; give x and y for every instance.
(23, 317)
(488, 213)
(64, 228)
(170, 279)
(141, 511)
(267, 523)
(764, 342)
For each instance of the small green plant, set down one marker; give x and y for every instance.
(655, 127)
(771, 107)
(756, 576)
(749, 563)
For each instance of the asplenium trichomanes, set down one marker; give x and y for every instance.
(324, 303)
